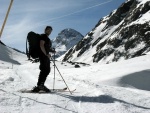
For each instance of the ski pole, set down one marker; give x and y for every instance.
(61, 76)
(54, 72)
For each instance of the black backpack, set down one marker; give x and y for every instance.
(33, 45)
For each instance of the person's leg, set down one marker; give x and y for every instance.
(45, 70)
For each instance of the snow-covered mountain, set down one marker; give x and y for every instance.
(66, 39)
(123, 34)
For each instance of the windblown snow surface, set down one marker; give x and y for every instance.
(122, 87)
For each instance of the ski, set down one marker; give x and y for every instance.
(52, 91)
(62, 90)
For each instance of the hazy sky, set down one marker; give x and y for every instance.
(34, 15)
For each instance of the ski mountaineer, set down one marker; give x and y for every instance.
(44, 57)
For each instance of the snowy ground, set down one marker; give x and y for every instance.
(122, 87)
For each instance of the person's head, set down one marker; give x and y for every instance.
(48, 30)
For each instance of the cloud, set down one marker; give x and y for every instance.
(78, 11)
(27, 6)
(13, 33)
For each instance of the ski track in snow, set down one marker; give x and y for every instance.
(91, 96)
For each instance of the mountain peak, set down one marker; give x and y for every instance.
(66, 39)
(68, 33)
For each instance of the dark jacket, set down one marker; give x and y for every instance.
(47, 45)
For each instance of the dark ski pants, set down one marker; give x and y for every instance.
(44, 69)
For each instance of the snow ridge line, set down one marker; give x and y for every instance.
(20, 98)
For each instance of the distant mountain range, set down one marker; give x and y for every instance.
(123, 34)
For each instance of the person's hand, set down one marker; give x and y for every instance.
(53, 50)
(48, 55)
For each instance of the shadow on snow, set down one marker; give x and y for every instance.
(139, 80)
(106, 99)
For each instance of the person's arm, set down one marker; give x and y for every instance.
(42, 42)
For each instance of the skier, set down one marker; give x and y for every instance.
(44, 57)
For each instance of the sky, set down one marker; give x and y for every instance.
(35, 15)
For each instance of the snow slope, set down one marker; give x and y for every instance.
(121, 87)
(123, 34)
